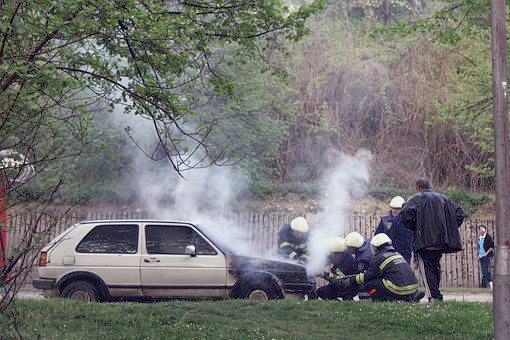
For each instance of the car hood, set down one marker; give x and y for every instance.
(288, 272)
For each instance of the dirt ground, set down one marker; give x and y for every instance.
(367, 205)
(292, 203)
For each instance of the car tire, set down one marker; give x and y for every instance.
(81, 290)
(261, 291)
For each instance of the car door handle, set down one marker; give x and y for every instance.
(152, 259)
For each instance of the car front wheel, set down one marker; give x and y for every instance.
(262, 291)
(81, 290)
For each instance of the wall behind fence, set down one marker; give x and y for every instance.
(260, 230)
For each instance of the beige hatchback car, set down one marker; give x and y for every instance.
(113, 259)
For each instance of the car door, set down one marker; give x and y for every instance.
(112, 252)
(167, 271)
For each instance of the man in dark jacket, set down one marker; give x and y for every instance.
(486, 252)
(435, 220)
(388, 276)
(341, 264)
(401, 237)
(292, 240)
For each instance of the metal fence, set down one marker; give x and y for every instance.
(260, 230)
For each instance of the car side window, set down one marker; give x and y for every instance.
(112, 239)
(202, 247)
(163, 239)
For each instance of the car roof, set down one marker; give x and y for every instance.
(138, 220)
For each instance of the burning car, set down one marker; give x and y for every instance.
(105, 260)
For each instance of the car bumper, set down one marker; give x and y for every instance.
(299, 289)
(44, 284)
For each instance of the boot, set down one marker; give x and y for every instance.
(490, 285)
(418, 296)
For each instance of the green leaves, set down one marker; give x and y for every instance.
(148, 54)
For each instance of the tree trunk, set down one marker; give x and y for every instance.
(501, 306)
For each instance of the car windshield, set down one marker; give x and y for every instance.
(215, 238)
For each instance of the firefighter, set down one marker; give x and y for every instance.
(341, 264)
(359, 247)
(401, 237)
(292, 240)
(389, 277)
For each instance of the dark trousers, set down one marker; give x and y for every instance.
(332, 291)
(430, 269)
(485, 264)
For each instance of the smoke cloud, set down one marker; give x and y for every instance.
(347, 178)
(202, 195)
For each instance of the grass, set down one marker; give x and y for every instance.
(238, 319)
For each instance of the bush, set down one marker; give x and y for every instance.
(467, 199)
(387, 193)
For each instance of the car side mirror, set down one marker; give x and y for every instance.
(190, 250)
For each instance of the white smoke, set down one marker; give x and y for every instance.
(204, 195)
(201, 196)
(347, 178)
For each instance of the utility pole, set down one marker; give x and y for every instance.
(501, 294)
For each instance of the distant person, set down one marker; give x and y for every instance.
(388, 276)
(292, 240)
(359, 247)
(341, 264)
(401, 237)
(435, 220)
(486, 252)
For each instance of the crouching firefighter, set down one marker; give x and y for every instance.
(360, 248)
(292, 240)
(341, 264)
(388, 276)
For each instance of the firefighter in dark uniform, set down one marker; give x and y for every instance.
(388, 277)
(401, 237)
(292, 240)
(359, 247)
(341, 264)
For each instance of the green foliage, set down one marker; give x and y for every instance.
(304, 190)
(237, 319)
(401, 98)
(246, 127)
(159, 60)
(387, 193)
(144, 56)
(468, 200)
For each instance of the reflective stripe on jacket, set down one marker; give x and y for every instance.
(289, 246)
(396, 274)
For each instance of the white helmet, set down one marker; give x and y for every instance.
(338, 245)
(299, 224)
(380, 239)
(397, 202)
(354, 239)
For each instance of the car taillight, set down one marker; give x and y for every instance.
(42, 259)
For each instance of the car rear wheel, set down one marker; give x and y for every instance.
(81, 290)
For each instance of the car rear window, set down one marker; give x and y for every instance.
(112, 239)
(164, 239)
